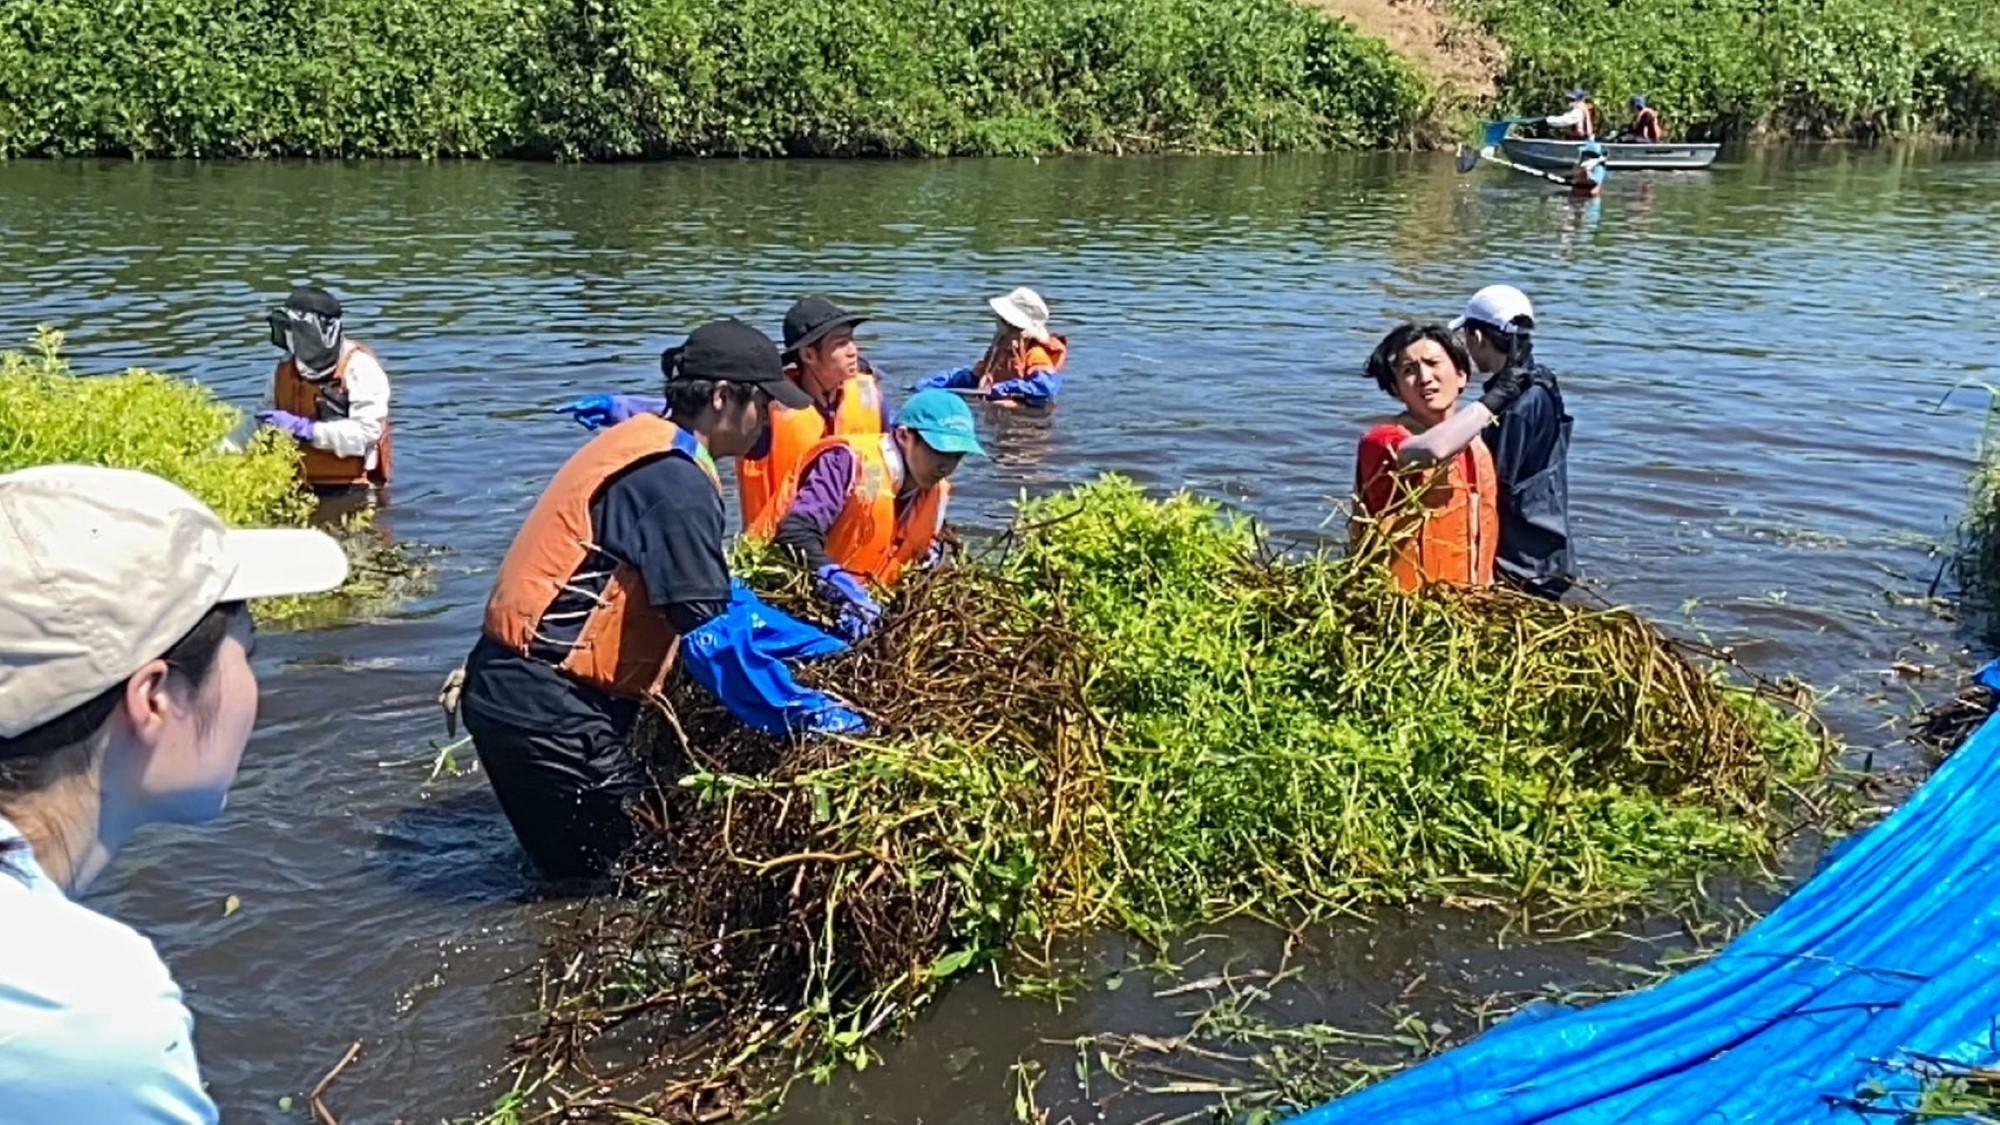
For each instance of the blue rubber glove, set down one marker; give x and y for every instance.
(857, 611)
(757, 687)
(957, 378)
(300, 428)
(779, 634)
(1036, 390)
(598, 411)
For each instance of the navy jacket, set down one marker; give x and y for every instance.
(1531, 458)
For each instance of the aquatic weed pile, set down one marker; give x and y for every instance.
(175, 429)
(1129, 713)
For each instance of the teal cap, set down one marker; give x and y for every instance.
(943, 420)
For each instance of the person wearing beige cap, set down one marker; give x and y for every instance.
(1023, 363)
(126, 699)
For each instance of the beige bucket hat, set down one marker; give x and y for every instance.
(1024, 309)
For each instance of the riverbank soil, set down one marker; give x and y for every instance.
(1462, 60)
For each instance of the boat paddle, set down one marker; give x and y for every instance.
(1468, 159)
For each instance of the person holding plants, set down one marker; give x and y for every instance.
(1528, 428)
(1023, 362)
(331, 395)
(824, 360)
(1439, 521)
(864, 508)
(126, 699)
(619, 576)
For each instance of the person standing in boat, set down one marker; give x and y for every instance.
(1521, 413)
(1439, 520)
(1579, 122)
(1023, 362)
(1646, 127)
(330, 395)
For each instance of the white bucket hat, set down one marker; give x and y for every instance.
(1024, 309)
(103, 570)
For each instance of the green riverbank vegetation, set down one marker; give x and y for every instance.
(1130, 713)
(610, 79)
(1731, 68)
(176, 430)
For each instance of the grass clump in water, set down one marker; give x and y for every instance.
(1130, 714)
(176, 430)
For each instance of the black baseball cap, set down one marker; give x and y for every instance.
(813, 317)
(730, 351)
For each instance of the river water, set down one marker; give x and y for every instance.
(1752, 356)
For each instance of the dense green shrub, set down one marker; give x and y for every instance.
(1718, 68)
(177, 430)
(630, 78)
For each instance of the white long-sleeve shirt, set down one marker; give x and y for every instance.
(360, 433)
(1574, 119)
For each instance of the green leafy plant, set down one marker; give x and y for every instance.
(610, 79)
(1721, 68)
(176, 430)
(1131, 715)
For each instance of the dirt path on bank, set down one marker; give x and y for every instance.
(1454, 53)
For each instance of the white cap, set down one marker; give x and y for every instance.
(1499, 306)
(1024, 309)
(103, 570)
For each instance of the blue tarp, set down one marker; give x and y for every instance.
(1890, 956)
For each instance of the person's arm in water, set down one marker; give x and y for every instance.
(824, 482)
(1449, 438)
(367, 411)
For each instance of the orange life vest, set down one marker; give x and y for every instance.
(1646, 125)
(624, 644)
(793, 432)
(1444, 520)
(1586, 129)
(867, 538)
(1022, 358)
(326, 401)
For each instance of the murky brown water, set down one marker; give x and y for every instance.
(1751, 355)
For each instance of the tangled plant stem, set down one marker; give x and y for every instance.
(1129, 714)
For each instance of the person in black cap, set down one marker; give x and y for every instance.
(846, 400)
(330, 394)
(618, 570)
(824, 361)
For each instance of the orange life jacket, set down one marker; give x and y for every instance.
(867, 538)
(326, 401)
(793, 432)
(624, 644)
(1587, 128)
(1455, 509)
(1022, 358)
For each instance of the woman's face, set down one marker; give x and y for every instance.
(1428, 382)
(190, 741)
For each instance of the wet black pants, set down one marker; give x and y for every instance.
(566, 795)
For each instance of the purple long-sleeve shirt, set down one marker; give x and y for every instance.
(824, 485)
